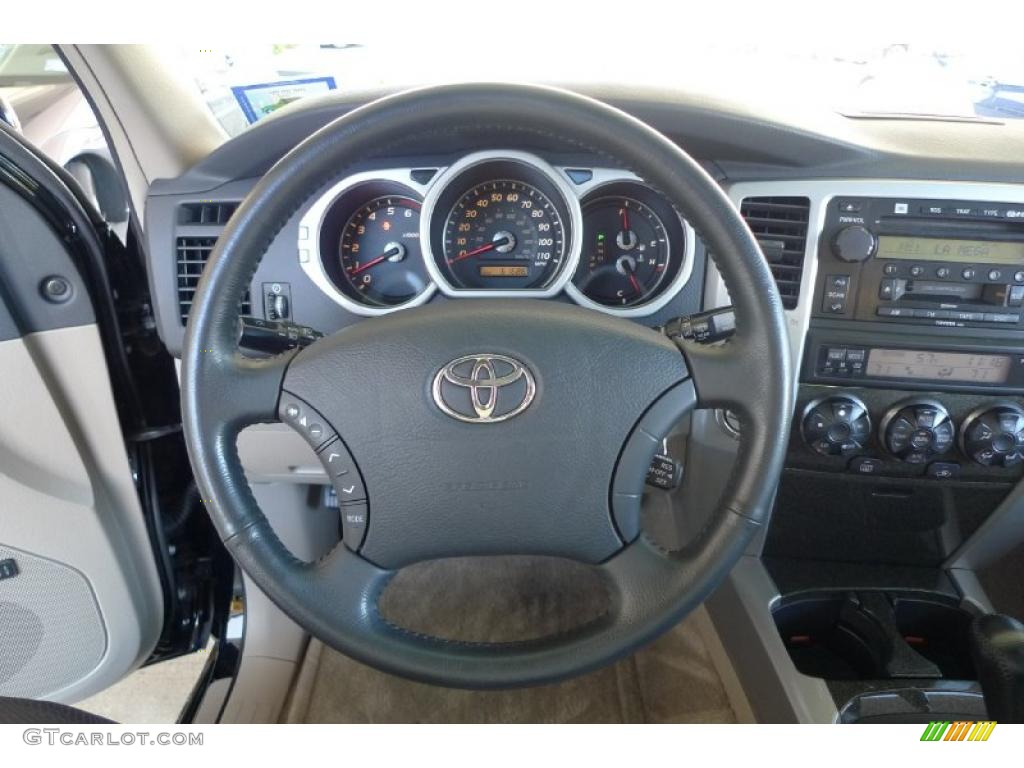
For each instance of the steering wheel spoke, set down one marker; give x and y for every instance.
(724, 375)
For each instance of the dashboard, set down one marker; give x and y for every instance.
(897, 248)
(900, 269)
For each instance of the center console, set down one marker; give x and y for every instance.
(907, 440)
(912, 378)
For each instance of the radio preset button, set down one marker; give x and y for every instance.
(995, 275)
(917, 270)
(943, 272)
(894, 269)
(967, 274)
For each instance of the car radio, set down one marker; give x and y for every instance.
(935, 262)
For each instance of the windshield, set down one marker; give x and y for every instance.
(243, 84)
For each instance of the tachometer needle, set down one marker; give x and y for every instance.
(374, 262)
(635, 283)
(625, 219)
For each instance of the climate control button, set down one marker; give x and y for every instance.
(994, 436)
(917, 431)
(836, 426)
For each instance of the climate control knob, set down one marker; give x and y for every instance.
(994, 435)
(836, 426)
(854, 244)
(918, 431)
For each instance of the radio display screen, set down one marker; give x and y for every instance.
(948, 249)
(939, 366)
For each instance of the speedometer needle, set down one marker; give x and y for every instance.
(474, 252)
(374, 262)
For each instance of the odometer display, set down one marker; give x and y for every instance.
(503, 235)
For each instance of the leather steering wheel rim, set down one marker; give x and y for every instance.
(650, 589)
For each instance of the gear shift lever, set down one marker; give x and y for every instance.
(997, 644)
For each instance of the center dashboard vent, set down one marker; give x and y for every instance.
(780, 226)
(192, 254)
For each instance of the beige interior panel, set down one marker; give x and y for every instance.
(67, 499)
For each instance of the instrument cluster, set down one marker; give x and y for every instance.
(496, 224)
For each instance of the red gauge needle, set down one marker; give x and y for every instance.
(474, 252)
(625, 218)
(635, 283)
(374, 262)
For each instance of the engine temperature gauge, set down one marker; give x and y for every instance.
(625, 255)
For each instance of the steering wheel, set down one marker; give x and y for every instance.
(563, 477)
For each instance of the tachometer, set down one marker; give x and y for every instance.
(380, 251)
(503, 234)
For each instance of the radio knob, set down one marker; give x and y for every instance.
(917, 431)
(836, 426)
(854, 244)
(994, 436)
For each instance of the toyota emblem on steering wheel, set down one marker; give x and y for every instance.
(484, 388)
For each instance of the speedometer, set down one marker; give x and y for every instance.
(503, 234)
(501, 223)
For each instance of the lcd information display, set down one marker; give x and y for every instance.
(501, 270)
(938, 366)
(947, 249)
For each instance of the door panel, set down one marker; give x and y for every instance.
(80, 596)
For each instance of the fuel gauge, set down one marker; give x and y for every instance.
(626, 252)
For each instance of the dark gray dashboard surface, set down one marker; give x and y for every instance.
(736, 142)
(745, 141)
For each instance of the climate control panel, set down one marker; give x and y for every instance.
(918, 431)
(994, 436)
(872, 432)
(836, 426)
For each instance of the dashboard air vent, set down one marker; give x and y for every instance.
(780, 226)
(206, 213)
(192, 253)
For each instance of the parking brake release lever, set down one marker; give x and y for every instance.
(704, 327)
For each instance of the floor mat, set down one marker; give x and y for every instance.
(502, 599)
